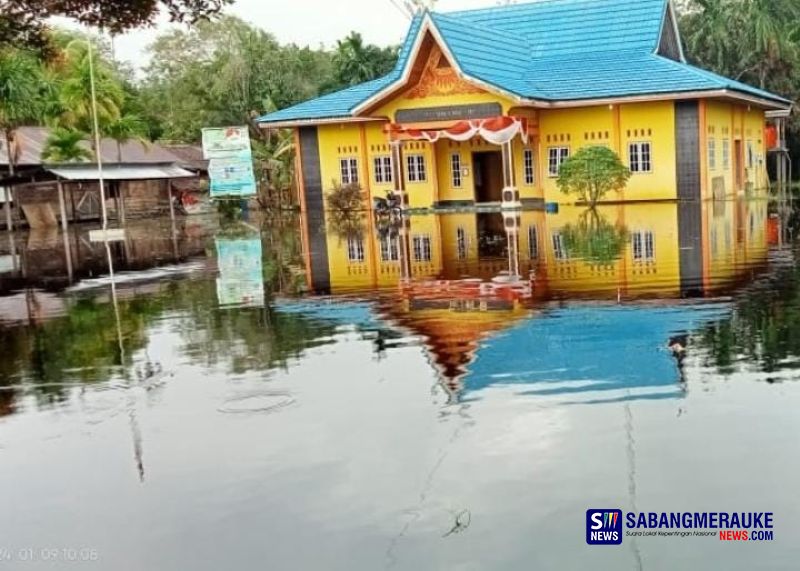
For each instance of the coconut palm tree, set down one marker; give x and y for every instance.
(64, 146)
(126, 128)
(21, 87)
(76, 93)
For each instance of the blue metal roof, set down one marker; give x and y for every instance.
(551, 50)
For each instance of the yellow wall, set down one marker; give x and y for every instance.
(729, 122)
(613, 126)
(625, 274)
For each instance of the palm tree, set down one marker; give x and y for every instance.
(64, 146)
(126, 128)
(76, 93)
(21, 88)
(352, 60)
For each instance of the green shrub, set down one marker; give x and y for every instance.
(591, 173)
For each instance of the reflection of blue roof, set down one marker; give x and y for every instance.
(588, 351)
(342, 312)
(553, 50)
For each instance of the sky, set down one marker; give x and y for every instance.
(306, 22)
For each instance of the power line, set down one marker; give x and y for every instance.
(402, 10)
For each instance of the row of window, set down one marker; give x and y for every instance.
(416, 169)
(640, 160)
(643, 247)
(726, 154)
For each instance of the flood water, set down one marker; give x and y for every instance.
(450, 391)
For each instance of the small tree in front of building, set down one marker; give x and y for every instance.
(591, 173)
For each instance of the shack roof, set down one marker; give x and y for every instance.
(31, 141)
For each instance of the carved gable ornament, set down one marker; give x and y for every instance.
(439, 78)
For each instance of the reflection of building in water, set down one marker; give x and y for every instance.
(461, 289)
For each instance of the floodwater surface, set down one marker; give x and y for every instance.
(447, 391)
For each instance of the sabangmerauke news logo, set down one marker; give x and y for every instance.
(604, 527)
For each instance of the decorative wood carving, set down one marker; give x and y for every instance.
(439, 78)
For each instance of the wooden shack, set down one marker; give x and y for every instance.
(137, 179)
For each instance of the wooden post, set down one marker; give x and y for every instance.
(62, 205)
(171, 206)
(121, 194)
(7, 206)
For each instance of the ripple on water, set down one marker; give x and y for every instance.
(260, 403)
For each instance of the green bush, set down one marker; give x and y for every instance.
(591, 173)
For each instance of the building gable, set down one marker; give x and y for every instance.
(669, 43)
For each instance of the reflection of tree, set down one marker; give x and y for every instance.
(764, 329)
(346, 224)
(594, 239)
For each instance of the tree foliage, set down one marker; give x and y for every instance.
(591, 173)
(594, 239)
(65, 145)
(23, 22)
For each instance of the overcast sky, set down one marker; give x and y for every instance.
(308, 22)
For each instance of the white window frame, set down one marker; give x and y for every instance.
(533, 242)
(559, 249)
(455, 170)
(528, 167)
(383, 169)
(422, 247)
(390, 249)
(355, 249)
(712, 154)
(461, 244)
(416, 170)
(726, 154)
(555, 158)
(348, 170)
(640, 157)
(643, 247)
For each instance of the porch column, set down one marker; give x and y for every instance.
(512, 222)
(510, 191)
(398, 173)
(404, 247)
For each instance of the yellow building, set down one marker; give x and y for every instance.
(483, 106)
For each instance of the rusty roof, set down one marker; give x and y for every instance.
(32, 141)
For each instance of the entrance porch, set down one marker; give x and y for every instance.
(464, 163)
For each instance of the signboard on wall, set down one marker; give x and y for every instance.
(230, 167)
(449, 113)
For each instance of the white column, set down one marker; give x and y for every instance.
(398, 173)
(510, 191)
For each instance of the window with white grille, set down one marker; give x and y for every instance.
(355, 249)
(533, 243)
(455, 170)
(528, 167)
(416, 168)
(348, 167)
(422, 248)
(643, 246)
(461, 243)
(640, 157)
(383, 169)
(556, 156)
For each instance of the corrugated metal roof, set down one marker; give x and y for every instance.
(551, 50)
(120, 172)
(31, 142)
